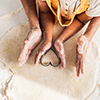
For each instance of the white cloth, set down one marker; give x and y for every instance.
(69, 6)
(94, 9)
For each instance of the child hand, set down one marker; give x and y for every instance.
(82, 46)
(43, 48)
(34, 36)
(60, 51)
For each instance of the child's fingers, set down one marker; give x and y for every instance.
(82, 63)
(37, 59)
(40, 53)
(79, 63)
(77, 67)
(63, 62)
(43, 48)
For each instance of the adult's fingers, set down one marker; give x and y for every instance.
(37, 58)
(81, 50)
(77, 61)
(63, 64)
(24, 56)
(33, 38)
(26, 51)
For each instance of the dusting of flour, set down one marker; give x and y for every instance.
(31, 82)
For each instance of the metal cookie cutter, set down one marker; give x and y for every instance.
(50, 63)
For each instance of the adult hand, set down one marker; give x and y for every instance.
(81, 50)
(34, 37)
(43, 48)
(59, 47)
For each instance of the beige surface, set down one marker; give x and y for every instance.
(40, 83)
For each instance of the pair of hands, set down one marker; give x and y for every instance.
(81, 50)
(34, 38)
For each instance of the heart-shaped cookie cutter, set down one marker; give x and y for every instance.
(50, 63)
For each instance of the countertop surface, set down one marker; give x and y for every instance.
(13, 14)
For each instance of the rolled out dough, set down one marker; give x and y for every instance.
(31, 82)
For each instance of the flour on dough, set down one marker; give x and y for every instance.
(47, 83)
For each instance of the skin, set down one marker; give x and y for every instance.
(46, 19)
(31, 42)
(30, 10)
(80, 58)
(68, 32)
(89, 33)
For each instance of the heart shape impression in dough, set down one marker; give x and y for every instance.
(50, 58)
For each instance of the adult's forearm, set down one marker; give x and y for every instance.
(92, 28)
(30, 10)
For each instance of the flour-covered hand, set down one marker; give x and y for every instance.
(43, 48)
(33, 38)
(59, 47)
(81, 50)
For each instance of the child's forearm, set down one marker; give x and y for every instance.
(74, 27)
(83, 44)
(70, 30)
(93, 26)
(46, 18)
(30, 10)
(47, 25)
